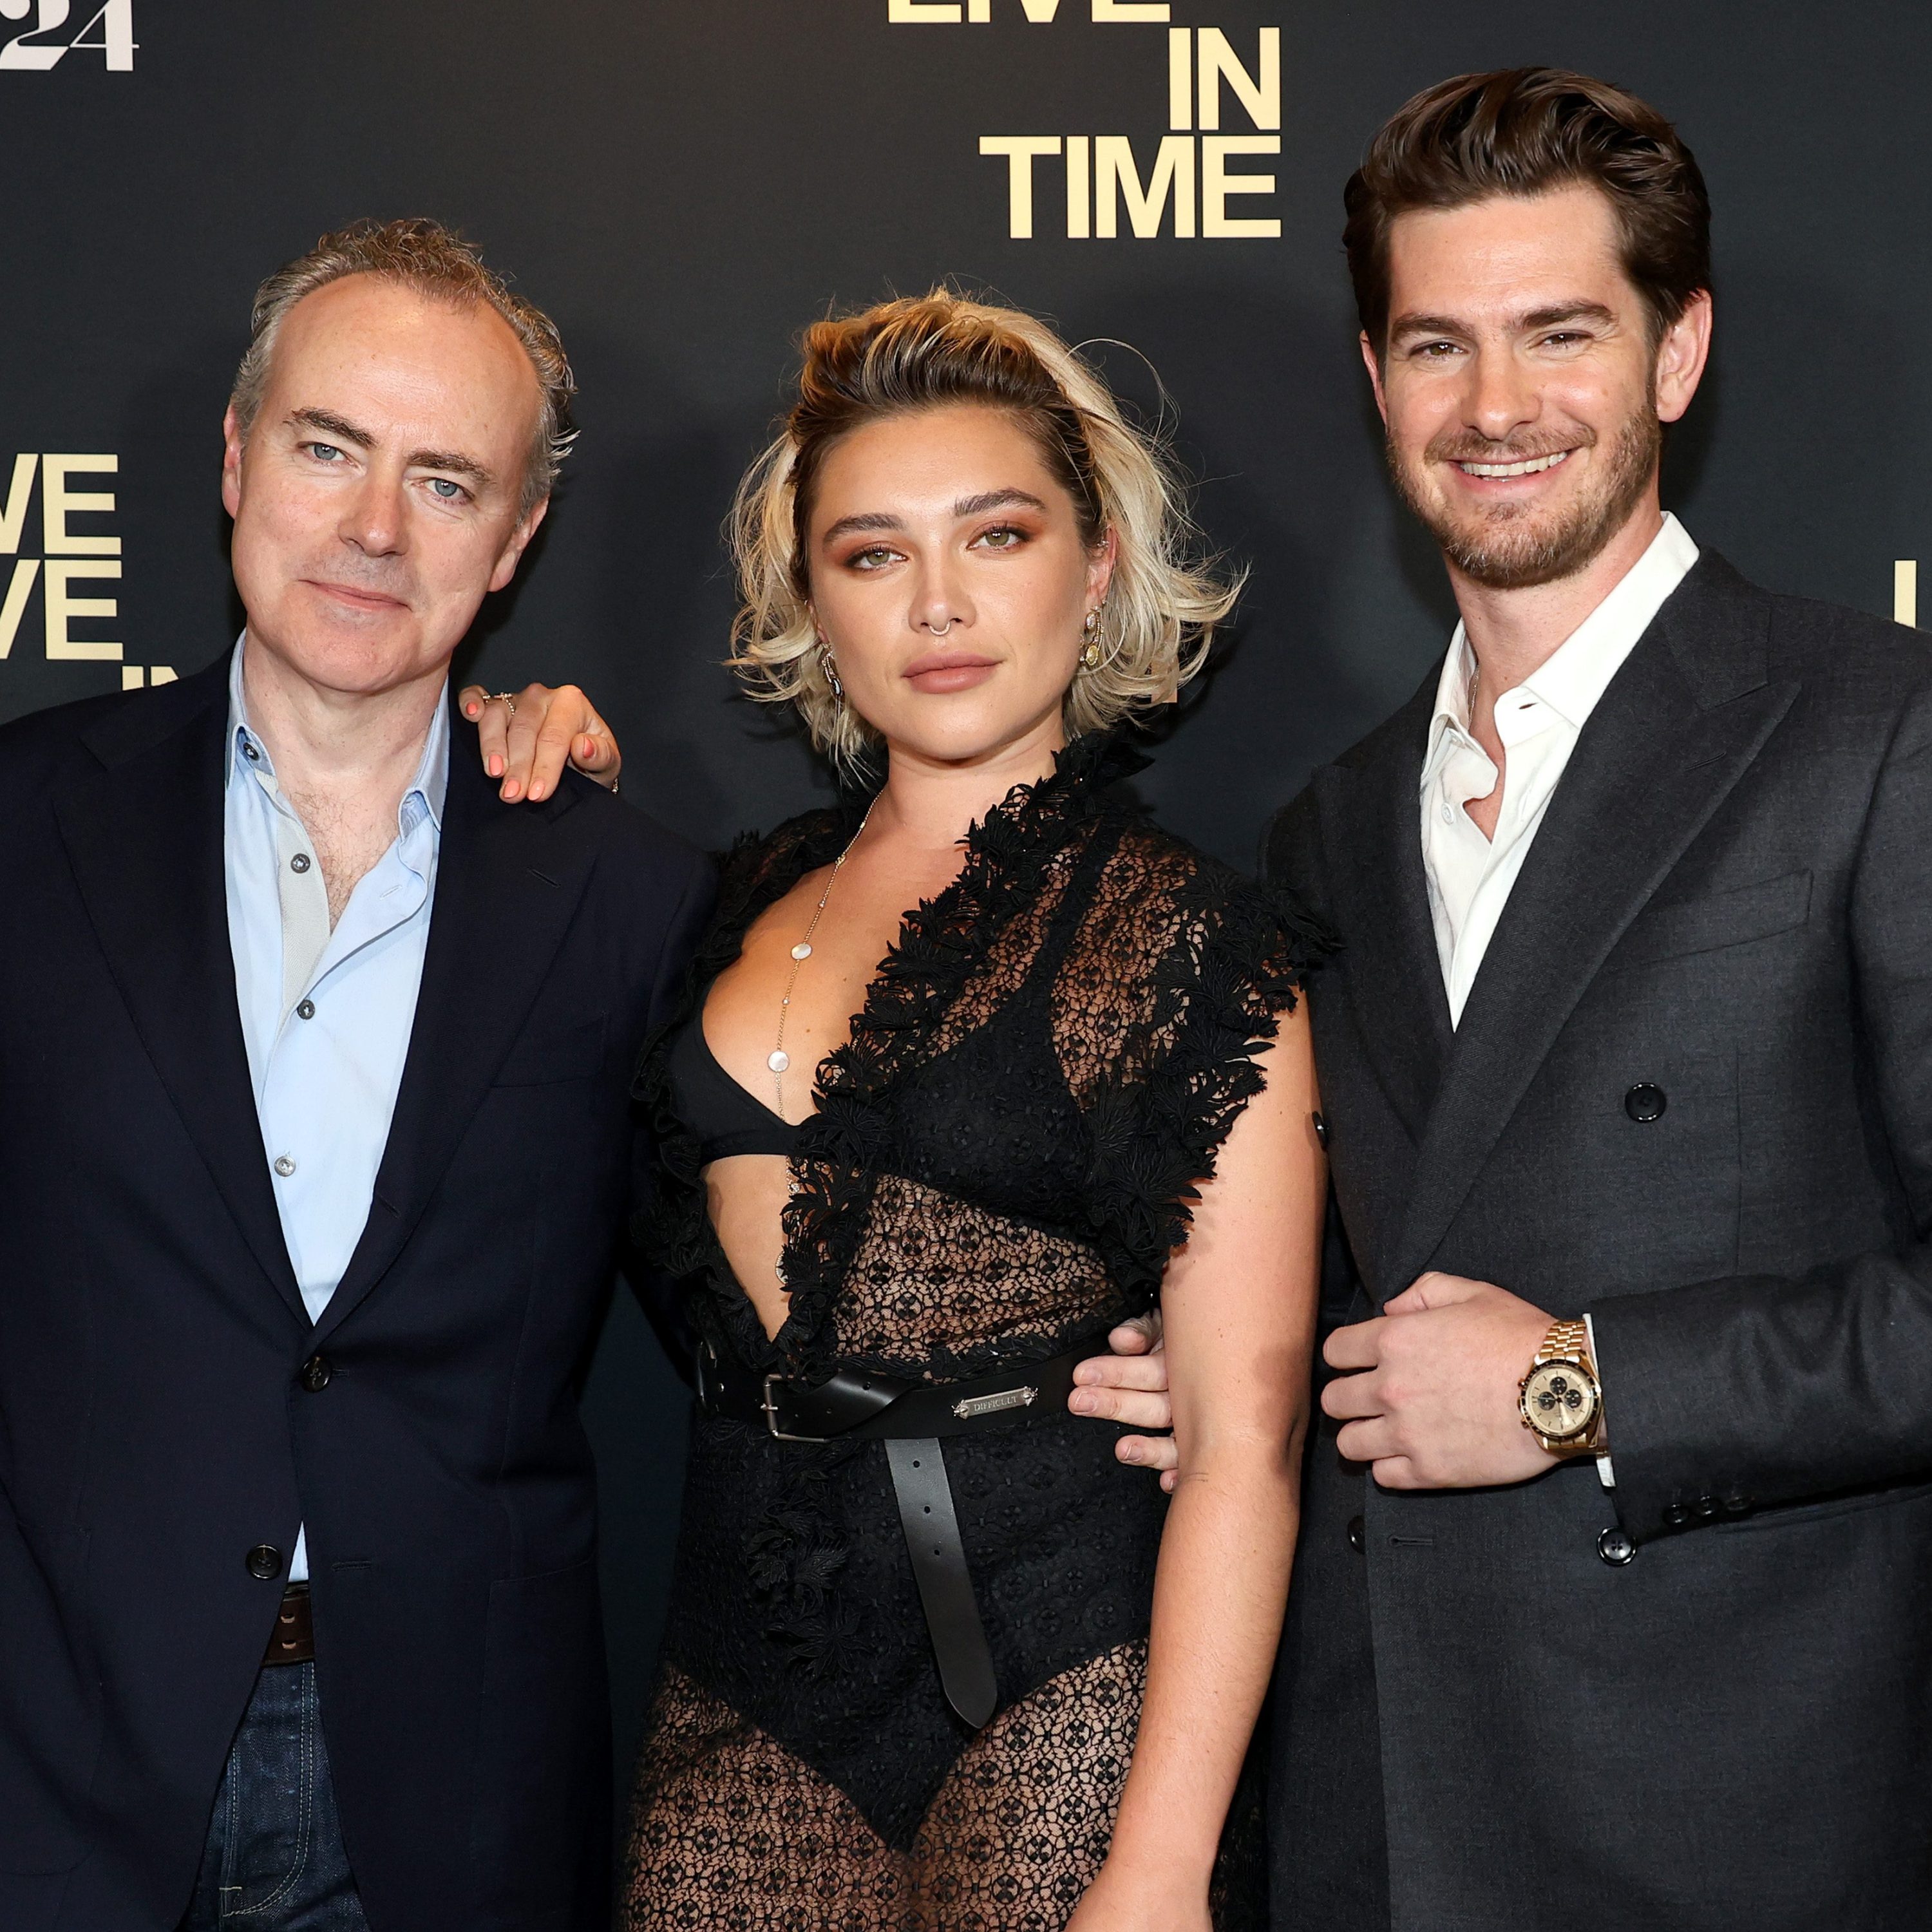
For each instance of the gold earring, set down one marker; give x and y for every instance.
(831, 670)
(1090, 656)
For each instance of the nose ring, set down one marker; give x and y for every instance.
(939, 631)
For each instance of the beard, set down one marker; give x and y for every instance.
(1514, 546)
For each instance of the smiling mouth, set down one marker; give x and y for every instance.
(1531, 465)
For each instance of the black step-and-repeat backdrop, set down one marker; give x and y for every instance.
(685, 183)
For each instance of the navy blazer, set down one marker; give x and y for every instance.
(155, 1425)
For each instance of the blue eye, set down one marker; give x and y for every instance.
(325, 452)
(447, 491)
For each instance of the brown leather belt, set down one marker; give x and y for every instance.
(292, 1640)
(856, 1404)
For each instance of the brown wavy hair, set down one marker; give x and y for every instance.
(1525, 131)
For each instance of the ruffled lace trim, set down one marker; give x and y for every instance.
(1156, 1126)
(940, 942)
(1157, 1132)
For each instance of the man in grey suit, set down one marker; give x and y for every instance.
(1613, 1606)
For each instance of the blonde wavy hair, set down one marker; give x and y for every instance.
(1164, 600)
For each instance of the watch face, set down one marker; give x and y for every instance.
(1560, 1400)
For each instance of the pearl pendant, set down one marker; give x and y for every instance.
(801, 951)
(779, 1062)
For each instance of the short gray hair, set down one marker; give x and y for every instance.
(420, 254)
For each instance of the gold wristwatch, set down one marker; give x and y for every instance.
(1561, 1400)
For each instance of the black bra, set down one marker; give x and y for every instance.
(721, 1115)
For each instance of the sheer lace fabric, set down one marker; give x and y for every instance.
(1002, 1159)
(732, 1832)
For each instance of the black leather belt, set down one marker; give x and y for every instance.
(860, 1405)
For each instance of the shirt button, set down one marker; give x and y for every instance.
(264, 1562)
(306, 1010)
(284, 1166)
(249, 752)
(1448, 814)
(300, 862)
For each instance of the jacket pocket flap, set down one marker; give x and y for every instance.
(1705, 925)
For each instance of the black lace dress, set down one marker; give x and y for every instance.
(1001, 1163)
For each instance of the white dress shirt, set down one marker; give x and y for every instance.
(1539, 722)
(327, 1015)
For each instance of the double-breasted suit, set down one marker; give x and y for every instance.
(1691, 1095)
(167, 1408)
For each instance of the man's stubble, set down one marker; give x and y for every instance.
(1509, 549)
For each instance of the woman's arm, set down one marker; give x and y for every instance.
(1240, 1303)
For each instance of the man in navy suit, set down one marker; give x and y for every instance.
(316, 1145)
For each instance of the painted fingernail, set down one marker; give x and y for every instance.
(537, 791)
(470, 709)
(513, 790)
(496, 765)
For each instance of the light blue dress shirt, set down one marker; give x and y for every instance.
(326, 1015)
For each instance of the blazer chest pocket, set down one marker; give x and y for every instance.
(544, 1055)
(1708, 925)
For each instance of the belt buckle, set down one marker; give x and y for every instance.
(771, 1409)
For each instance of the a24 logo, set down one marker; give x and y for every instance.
(111, 28)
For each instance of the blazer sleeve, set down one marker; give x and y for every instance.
(1762, 1389)
(663, 1306)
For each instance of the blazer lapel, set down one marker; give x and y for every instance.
(1678, 726)
(1371, 806)
(507, 886)
(144, 839)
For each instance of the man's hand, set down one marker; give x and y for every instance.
(526, 742)
(1434, 1403)
(1130, 1386)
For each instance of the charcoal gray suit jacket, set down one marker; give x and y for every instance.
(1703, 1700)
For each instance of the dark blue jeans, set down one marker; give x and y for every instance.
(274, 1859)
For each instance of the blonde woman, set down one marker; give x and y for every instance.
(971, 1068)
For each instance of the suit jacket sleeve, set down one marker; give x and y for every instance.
(1767, 1389)
(654, 1290)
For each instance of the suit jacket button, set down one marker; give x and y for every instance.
(1677, 1515)
(1707, 1507)
(1615, 1546)
(1737, 1503)
(1320, 1130)
(264, 1562)
(1645, 1103)
(315, 1374)
(1358, 1534)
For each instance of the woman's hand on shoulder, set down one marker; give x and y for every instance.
(527, 738)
